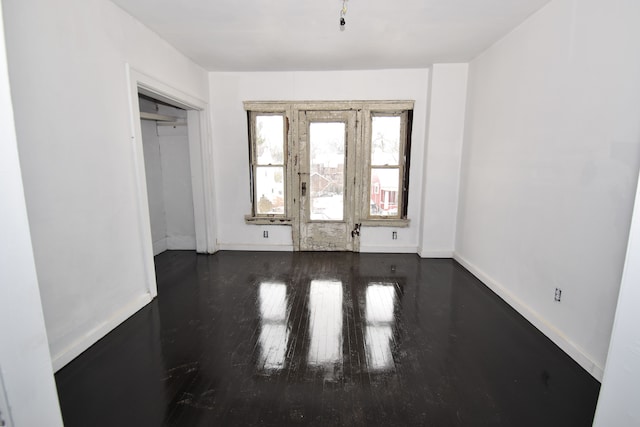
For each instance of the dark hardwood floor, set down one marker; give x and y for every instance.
(323, 339)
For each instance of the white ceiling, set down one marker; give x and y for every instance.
(281, 35)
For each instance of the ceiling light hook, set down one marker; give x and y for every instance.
(343, 12)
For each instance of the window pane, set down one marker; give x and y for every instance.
(270, 140)
(326, 154)
(385, 140)
(269, 190)
(384, 191)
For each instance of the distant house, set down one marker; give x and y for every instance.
(327, 175)
(384, 193)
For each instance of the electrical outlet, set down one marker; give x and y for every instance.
(394, 235)
(265, 234)
(558, 295)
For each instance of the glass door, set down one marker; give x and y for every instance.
(327, 181)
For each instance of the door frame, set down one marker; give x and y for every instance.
(290, 110)
(201, 161)
(294, 139)
(302, 171)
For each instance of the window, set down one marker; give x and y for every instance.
(268, 164)
(281, 144)
(388, 163)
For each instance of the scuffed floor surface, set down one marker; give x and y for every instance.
(323, 339)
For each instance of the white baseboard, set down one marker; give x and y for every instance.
(65, 356)
(159, 246)
(388, 249)
(435, 254)
(561, 340)
(181, 243)
(250, 247)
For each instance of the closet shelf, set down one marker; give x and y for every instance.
(157, 117)
(162, 119)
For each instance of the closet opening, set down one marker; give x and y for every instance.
(173, 170)
(167, 165)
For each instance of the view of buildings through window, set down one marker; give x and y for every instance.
(327, 142)
(269, 168)
(385, 166)
(380, 166)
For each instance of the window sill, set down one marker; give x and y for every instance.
(266, 220)
(386, 222)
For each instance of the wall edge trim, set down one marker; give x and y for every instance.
(89, 338)
(388, 249)
(574, 351)
(435, 254)
(253, 247)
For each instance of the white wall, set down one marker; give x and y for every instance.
(176, 183)
(550, 165)
(447, 102)
(168, 173)
(155, 194)
(229, 123)
(67, 68)
(27, 390)
(618, 401)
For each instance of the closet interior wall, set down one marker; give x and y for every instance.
(168, 175)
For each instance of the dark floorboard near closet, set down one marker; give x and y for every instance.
(323, 339)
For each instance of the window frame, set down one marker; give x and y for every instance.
(252, 114)
(365, 111)
(403, 157)
(405, 111)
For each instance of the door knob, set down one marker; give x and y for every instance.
(304, 189)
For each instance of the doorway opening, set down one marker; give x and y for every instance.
(189, 115)
(327, 173)
(165, 142)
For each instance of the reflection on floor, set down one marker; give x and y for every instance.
(259, 338)
(379, 319)
(325, 327)
(274, 334)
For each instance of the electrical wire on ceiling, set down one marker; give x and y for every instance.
(343, 12)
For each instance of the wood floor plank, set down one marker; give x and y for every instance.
(276, 339)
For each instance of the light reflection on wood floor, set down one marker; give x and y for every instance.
(259, 338)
